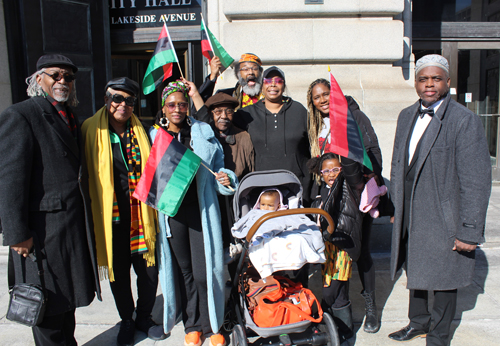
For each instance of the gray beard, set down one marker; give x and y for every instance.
(251, 91)
(61, 96)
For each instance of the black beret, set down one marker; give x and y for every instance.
(220, 99)
(125, 84)
(51, 60)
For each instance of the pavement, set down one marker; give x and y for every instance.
(477, 321)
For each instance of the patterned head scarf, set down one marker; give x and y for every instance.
(432, 60)
(172, 87)
(249, 57)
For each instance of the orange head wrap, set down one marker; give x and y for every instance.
(249, 57)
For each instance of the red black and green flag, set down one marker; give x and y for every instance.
(346, 137)
(160, 66)
(210, 47)
(170, 169)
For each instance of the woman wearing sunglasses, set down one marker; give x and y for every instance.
(190, 243)
(278, 128)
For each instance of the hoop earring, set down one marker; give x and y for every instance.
(164, 121)
(189, 121)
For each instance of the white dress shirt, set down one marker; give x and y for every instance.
(419, 129)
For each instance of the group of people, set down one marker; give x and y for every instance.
(68, 191)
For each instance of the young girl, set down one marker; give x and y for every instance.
(340, 198)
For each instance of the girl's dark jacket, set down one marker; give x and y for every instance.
(341, 201)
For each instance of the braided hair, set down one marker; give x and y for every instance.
(314, 122)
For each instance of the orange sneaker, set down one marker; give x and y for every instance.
(192, 339)
(217, 340)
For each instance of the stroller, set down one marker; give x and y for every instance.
(238, 318)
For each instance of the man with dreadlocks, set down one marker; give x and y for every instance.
(45, 201)
(117, 148)
(248, 90)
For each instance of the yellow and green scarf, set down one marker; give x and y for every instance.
(338, 265)
(100, 165)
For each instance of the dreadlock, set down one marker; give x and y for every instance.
(315, 121)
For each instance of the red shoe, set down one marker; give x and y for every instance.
(192, 339)
(217, 340)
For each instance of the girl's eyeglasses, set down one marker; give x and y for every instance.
(335, 170)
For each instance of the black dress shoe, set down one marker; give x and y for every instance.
(407, 333)
(126, 334)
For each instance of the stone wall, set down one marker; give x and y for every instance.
(365, 43)
(5, 93)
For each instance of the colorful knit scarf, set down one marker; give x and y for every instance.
(338, 265)
(247, 100)
(68, 117)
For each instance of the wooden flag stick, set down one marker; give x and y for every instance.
(229, 187)
(180, 70)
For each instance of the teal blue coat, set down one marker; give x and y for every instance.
(206, 146)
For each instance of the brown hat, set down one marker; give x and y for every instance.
(221, 98)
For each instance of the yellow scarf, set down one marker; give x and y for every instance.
(100, 165)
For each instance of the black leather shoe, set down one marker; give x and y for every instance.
(407, 333)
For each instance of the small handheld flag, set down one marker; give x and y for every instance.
(160, 66)
(346, 137)
(170, 169)
(210, 47)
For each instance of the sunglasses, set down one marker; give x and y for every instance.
(117, 98)
(335, 170)
(172, 106)
(57, 76)
(274, 80)
(219, 111)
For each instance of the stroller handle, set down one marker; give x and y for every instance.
(279, 213)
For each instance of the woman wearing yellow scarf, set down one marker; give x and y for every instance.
(116, 149)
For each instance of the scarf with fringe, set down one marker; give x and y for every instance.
(99, 158)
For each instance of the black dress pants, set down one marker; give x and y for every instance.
(366, 269)
(56, 330)
(443, 312)
(186, 244)
(147, 277)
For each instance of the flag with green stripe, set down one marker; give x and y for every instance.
(210, 47)
(346, 137)
(160, 66)
(170, 169)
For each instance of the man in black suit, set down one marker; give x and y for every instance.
(45, 201)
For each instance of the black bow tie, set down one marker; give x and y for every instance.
(423, 112)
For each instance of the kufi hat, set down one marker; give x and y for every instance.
(432, 60)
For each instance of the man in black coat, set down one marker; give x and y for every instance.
(440, 186)
(45, 201)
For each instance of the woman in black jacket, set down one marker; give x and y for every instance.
(340, 197)
(278, 128)
(318, 103)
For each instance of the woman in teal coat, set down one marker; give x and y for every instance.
(190, 252)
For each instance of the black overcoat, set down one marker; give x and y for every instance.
(45, 192)
(449, 196)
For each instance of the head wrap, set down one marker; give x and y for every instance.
(249, 57)
(432, 60)
(173, 87)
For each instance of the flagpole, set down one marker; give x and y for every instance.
(170, 37)
(229, 187)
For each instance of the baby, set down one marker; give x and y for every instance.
(269, 200)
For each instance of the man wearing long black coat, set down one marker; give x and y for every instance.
(440, 186)
(44, 197)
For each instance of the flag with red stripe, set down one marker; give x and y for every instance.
(210, 47)
(346, 137)
(170, 169)
(160, 66)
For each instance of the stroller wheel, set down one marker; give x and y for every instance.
(331, 329)
(238, 336)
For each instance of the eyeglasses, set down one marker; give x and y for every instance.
(229, 112)
(172, 106)
(248, 69)
(117, 98)
(335, 170)
(274, 80)
(57, 76)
